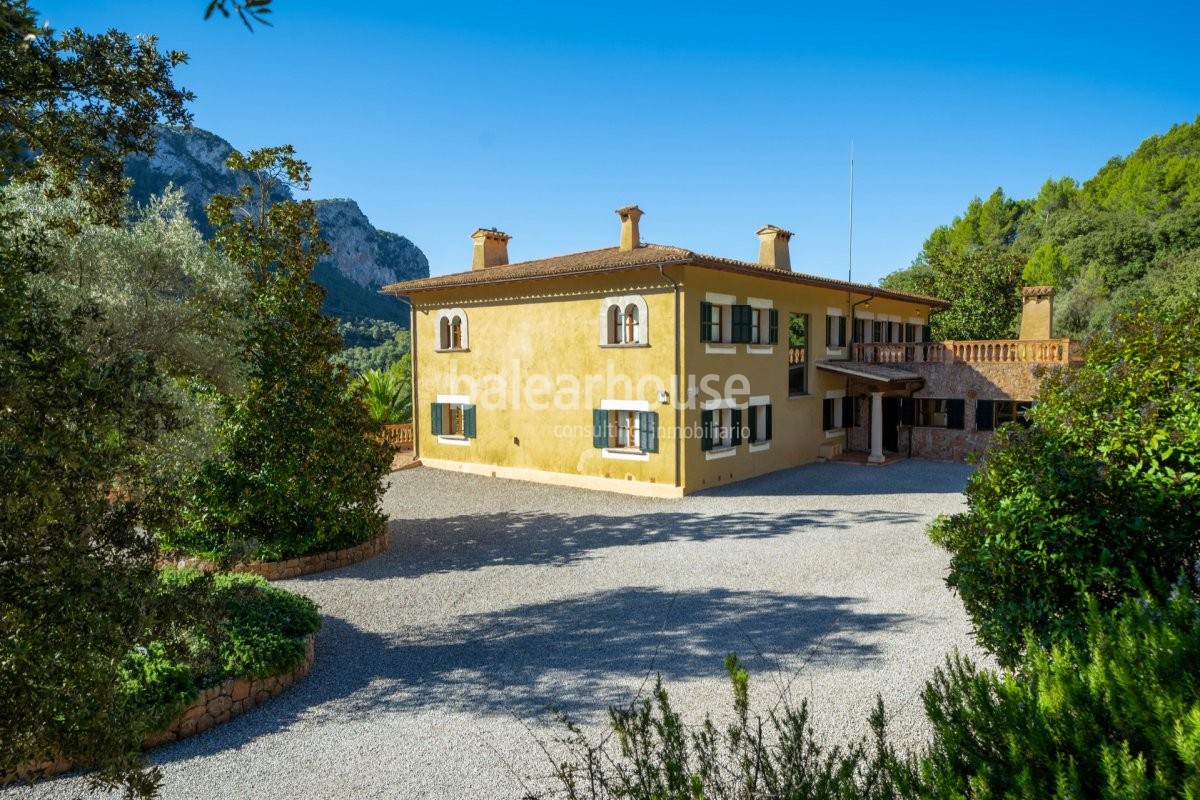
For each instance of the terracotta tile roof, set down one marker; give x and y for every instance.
(613, 259)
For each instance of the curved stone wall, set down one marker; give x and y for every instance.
(302, 565)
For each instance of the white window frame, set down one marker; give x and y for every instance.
(617, 408)
(722, 305)
(449, 403)
(447, 315)
(613, 331)
(762, 308)
(723, 421)
(758, 405)
(835, 350)
(839, 424)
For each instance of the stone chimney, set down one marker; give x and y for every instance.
(630, 239)
(491, 248)
(1037, 312)
(773, 247)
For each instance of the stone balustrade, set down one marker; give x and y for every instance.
(985, 351)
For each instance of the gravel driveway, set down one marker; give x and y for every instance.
(497, 598)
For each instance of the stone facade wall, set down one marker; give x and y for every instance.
(970, 382)
(302, 565)
(212, 707)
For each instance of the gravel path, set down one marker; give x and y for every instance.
(438, 659)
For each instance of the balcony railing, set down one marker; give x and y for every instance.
(797, 355)
(993, 351)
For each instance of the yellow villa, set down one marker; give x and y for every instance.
(656, 370)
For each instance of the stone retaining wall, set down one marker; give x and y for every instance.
(212, 707)
(222, 703)
(295, 567)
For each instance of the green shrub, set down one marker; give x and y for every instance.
(1118, 717)
(264, 626)
(156, 687)
(387, 393)
(1099, 496)
(657, 756)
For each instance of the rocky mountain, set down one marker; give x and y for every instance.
(362, 258)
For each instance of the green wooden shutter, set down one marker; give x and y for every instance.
(706, 313)
(847, 412)
(706, 430)
(735, 435)
(985, 415)
(469, 421)
(773, 326)
(648, 431)
(741, 324)
(435, 422)
(752, 424)
(955, 409)
(926, 333)
(599, 428)
(767, 433)
(841, 331)
(828, 331)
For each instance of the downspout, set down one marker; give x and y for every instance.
(412, 351)
(678, 383)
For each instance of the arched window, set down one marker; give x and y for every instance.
(452, 329)
(614, 325)
(631, 324)
(623, 321)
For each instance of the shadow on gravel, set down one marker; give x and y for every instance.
(580, 654)
(476, 541)
(907, 477)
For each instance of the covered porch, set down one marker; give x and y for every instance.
(885, 385)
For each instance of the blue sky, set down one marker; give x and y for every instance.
(542, 118)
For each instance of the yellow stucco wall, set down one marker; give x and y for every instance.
(530, 342)
(797, 433)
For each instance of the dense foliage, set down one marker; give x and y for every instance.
(1100, 494)
(1128, 233)
(77, 421)
(298, 468)
(371, 344)
(1117, 716)
(387, 393)
(74, 105)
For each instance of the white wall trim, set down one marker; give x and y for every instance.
(625, 455)
(721, 452)
(834, 394)
(460, 399)
(759, 400)
(864, 315)
(720, 299)
(623, 301)
(447, 313)
(592, 482)
(758, 447)
(915, 321)
(759, 302)
(624, 405)
(720, 349)
(833, 311)
(715, 405)
(460, 441)
(760, 349)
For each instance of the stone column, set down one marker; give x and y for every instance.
(876, 456)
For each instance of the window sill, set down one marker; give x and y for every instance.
(461, 441)
(720, 348)
(625, 454)
(758, 447)
(835, 433)
(624, 345)
(724, 451)
(835, 352)
(799, 395)
(451, 349)
(761, 349)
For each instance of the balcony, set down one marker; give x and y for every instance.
(986, 351)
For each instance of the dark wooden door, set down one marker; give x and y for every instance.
(891, 424)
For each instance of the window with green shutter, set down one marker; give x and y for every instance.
(648, 431)
(710, 322)
(599, 428)
(735, 427)
(435, 419)
(773, 326)
(468, 421)
(741, 324)
(706, 430)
